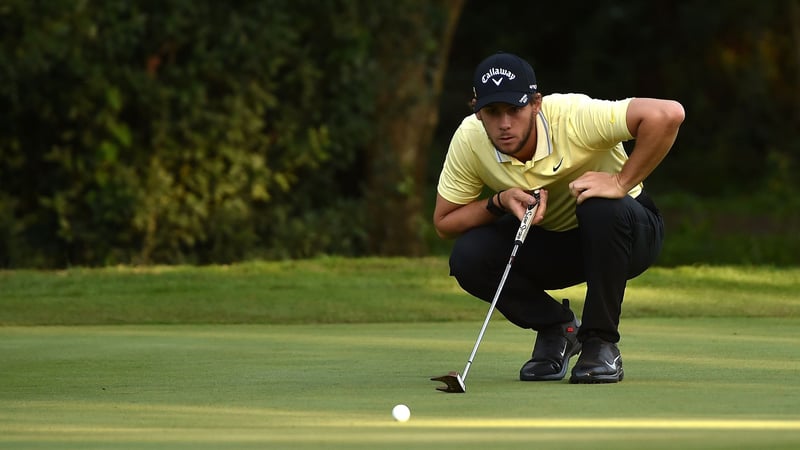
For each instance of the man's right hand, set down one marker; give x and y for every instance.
(516, 201)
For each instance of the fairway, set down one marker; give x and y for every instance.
(690, 383)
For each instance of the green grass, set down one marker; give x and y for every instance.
(690, 383)
(314, 354)
(339, 290)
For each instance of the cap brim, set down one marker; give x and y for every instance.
(515, 98)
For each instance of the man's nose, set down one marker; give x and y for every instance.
(505, 121)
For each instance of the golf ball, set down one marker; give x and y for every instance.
(401, 413)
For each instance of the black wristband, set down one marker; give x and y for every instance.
(500, 203)
(492, 208)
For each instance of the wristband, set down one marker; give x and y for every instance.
(492, 208)
(499, 203)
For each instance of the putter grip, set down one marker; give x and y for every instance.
(525, 224)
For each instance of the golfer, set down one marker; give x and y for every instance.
(595, 223)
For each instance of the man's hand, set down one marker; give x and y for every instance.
(516, 201)
(597, 184)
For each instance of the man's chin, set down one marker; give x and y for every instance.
(507, 148)
(509, 151)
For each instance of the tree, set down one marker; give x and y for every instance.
(412, 53)
(203, 131)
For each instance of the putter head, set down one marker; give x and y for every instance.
(453, 383)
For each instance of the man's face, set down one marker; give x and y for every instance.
(509, 127)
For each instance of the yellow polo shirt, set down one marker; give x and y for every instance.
(575, 134)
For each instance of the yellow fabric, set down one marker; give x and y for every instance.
(575, 134)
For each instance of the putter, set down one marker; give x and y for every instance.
(454, 382)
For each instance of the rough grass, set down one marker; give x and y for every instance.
(340, 290)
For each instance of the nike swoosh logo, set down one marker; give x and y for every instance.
(555, 168)
(563, 351)
(612, 365)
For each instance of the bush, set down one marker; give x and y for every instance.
(178, 131)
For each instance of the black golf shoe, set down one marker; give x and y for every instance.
(551, 352)
(600, 362)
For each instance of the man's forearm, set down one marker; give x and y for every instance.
(457, 221)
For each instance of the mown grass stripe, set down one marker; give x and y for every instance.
(606, 424)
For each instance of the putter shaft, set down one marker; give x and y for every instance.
(454, 381)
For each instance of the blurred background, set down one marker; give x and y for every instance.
(199, 132)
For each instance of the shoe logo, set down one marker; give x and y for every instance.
(612, 365)
(555, 168)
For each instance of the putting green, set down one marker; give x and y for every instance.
(690, 383)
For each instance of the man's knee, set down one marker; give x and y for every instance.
(595, 212)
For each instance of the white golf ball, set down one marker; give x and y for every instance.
(401, 413)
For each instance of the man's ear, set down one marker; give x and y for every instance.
(478, 115)
(537, 99)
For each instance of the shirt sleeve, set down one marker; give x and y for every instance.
(459, 181)
(599, 124)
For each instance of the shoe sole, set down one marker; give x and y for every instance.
(598, 379)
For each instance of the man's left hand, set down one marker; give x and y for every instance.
(597, 184)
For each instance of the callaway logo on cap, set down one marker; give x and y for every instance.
(504, 78)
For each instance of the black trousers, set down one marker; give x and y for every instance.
(616, 240)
